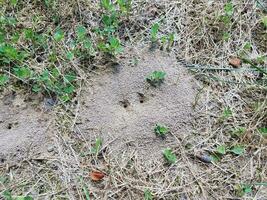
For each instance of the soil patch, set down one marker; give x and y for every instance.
(22, 127)
(123, 109)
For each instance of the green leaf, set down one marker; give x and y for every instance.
(98, 143)
(15, 37)
(148, 195)
(29, 34)
(10, 53)
(247, 46)
(87, 44)
(114, 45)
(226, 36)
(69, 77)
(70, 55)
(45, 75)
(69, 89)
(161, 130)
(214, 157)
(13, 2)
(263, 131)
(221, 149)
(154, 32)
(238, 150)
(7, 195)
(169, 156)
(36, 88)
(261, 184)
(171, 39)
(156, 78)
(86, 192)
(247, 188)
(64, 98)
(81, 32)
(107, 4)
(23, 198)
(2, 37)
(22, 72)
(264, 21)
(3, 79)
(55, 72)
(227, 112)
(125, 5)
(59, 35)
(229, 9)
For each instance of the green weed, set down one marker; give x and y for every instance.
(262, 131)
(243, 189)
(96, 148)
(156, 78)
(229, 9)
(3, 79)
(169, 156)
(238, 150)
(226, 114)
(125, 5)
(7, 196)
(161, 130)
(154, 32)
(148, 195)
(264, 21)
(113, 46)
(238, 132)
(221, 149)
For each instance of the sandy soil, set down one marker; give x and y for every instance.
(123, 109)
(22, 127)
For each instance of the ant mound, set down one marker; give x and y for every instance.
(122, 108)
(22, 128)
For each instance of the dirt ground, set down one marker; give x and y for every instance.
(23, 127)
(123, 109)
(47, 148)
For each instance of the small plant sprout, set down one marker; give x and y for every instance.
(154, 32)
(264, 21)
(238, 132)
(59, 35)
(156, 78)
(229, 9)
(221, 149)
(263, 131)
(98, 143)
(3, 79)
(148, 195)
(169, 156)
(238, 150)
(161, 130)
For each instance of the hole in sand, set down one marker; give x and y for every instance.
(141, 97)
(125, 103)
(9, 126)
(169, 104)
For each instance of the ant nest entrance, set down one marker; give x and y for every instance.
(169, 103)
(125, 103)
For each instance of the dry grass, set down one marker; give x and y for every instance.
(64, 174)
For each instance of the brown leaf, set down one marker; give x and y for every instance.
(97, 176)
(235, 62)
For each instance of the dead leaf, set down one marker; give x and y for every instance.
(235, 62)
(97, 176)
